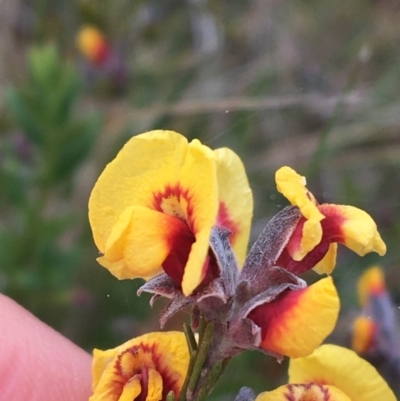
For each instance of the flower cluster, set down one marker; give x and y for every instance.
(178, 214)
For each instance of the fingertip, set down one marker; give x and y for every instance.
(37, 363)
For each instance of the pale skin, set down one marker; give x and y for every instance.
(36, 362)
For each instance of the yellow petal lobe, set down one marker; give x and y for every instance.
(358, 230)
(235, 200)
(328, 262)
(145, 166)
(155, 386)
(194, 270)
(303, 320)
(293, 187)
(199, 174)
(141, 240)
(131, 390)
(344, 369)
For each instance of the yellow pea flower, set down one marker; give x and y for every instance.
(146, 368)
(331, 373)
(314, 242)
(153, 208)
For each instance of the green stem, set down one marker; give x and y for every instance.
(209, 381)
(204, 347)
(192, 361)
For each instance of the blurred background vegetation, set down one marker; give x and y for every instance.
(314, 85)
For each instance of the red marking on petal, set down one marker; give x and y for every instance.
(179, 193)
(157, 361)
(307, 263)
(180, 243)
(144, 384)
(332, 224)
(331, 232)
(290, 396)
(181, 235)
(307, 396)
(170, 378)
(294, 243)
(225, 220)
(211, 270)
(169, 191)
(267, 315)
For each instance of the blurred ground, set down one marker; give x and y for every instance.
(313, 85)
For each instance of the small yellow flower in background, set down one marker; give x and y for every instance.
(375, 331)
(93, 45)
(371, 283)
(331, 373)
(365, 328)
(145, 368)
(314, 242)
(153, 208)
(364, 332)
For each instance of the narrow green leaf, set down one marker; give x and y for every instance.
(204, 347)
(192, 361)
(191, 340)
(171, 396)
(202, 328)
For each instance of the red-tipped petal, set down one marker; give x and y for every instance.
(352, 227)
(297, 321)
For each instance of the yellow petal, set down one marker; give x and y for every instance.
(155, 390)
(298, 321)
(304, 392)
(116, 370)
(293, 187)
(372, 282)
(235, 200)
(145, 166)
(131, 390)
(141, 239)
(344, 369)
(199, 176)
(356, 228)
(194, 269)
(328, 262)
